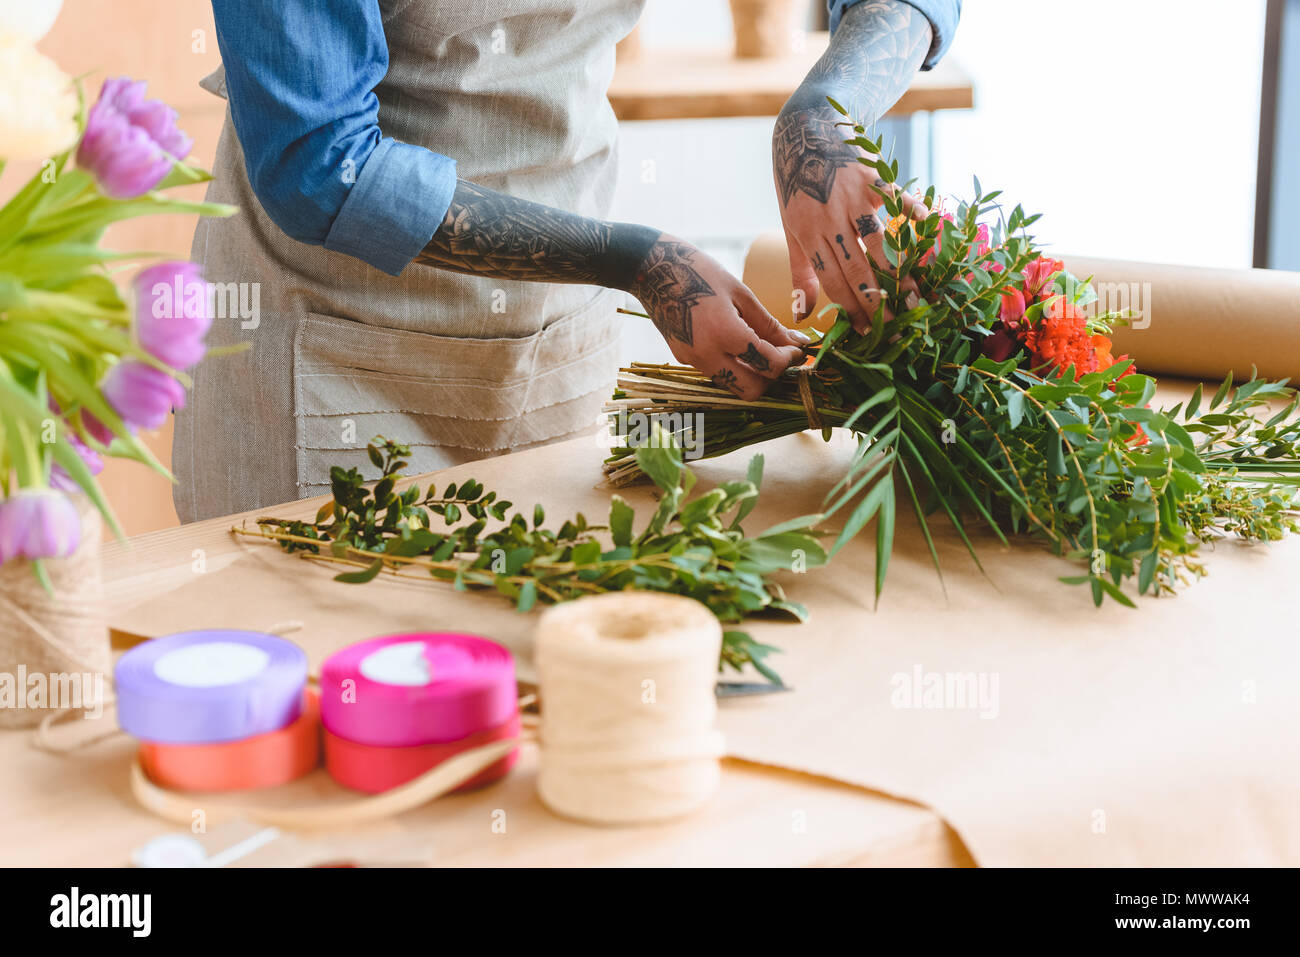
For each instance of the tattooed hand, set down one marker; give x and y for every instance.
(828, 199)
(711, 320)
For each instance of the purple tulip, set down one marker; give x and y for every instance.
(38, 523)
(59, 477)
(141, 394)
(172, 313)
(130, 142)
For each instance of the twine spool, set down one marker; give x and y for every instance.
(628, 707)
(58, 633)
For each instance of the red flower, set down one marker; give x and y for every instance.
(1002, 344)
(1012, 311)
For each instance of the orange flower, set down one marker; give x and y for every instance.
(1061, 340)
(1101, 345)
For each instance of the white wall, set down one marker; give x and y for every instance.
(1132, 125)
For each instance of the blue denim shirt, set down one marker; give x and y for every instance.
(942, 14)
(301, 75)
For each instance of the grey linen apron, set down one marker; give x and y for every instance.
(458, 367)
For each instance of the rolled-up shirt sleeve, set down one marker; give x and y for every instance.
(942, 14)
(300, 78)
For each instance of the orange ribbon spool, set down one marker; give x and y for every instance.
(262, 761)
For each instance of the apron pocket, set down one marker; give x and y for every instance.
(450, 399)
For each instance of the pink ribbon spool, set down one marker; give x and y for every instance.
(417, 688)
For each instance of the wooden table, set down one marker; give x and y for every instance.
(711, 83)
(76, 809)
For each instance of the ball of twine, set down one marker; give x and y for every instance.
(56, 632)
(627, 686)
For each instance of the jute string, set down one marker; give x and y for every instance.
(805, 394)
(56, 632)
(628, 707)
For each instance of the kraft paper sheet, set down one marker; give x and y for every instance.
(1162, 736)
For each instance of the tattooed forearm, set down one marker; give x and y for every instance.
(873, 56)
(669, 287)
(487, 233)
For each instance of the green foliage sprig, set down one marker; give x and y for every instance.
(471, 538)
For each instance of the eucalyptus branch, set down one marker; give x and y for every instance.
(692, 546)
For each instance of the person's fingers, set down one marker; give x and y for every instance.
(763, 323)
(874, 246)
(804, 286)
(737, 378)
(767, 360)
(860, 275)
(849, 279)
(867, 224)
(912, 205)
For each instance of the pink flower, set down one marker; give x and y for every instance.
(172, 312)
(982, 239)
(142, 395)
(38, 523)
(1038, 276)
(130, 143)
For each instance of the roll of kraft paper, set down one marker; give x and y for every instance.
(262, 761)
(1193, 321)
(364, 767)
(1199, 322)
(201, 687)
(627, 685)
(417, 688)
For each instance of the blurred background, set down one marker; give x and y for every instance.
(1133, 125)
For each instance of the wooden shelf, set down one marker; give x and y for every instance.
(708, 83)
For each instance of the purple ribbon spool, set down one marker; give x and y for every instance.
(201, 687)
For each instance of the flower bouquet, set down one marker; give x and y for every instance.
(81, 370)
(989, 394)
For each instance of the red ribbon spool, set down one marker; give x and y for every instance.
(373, 769)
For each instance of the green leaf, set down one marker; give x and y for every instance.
(620, 521)
(865, 511)
(363, 576)
(1220, 395)
(661, 460)
(527, 596)
(884, 537)
(1015, 408)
